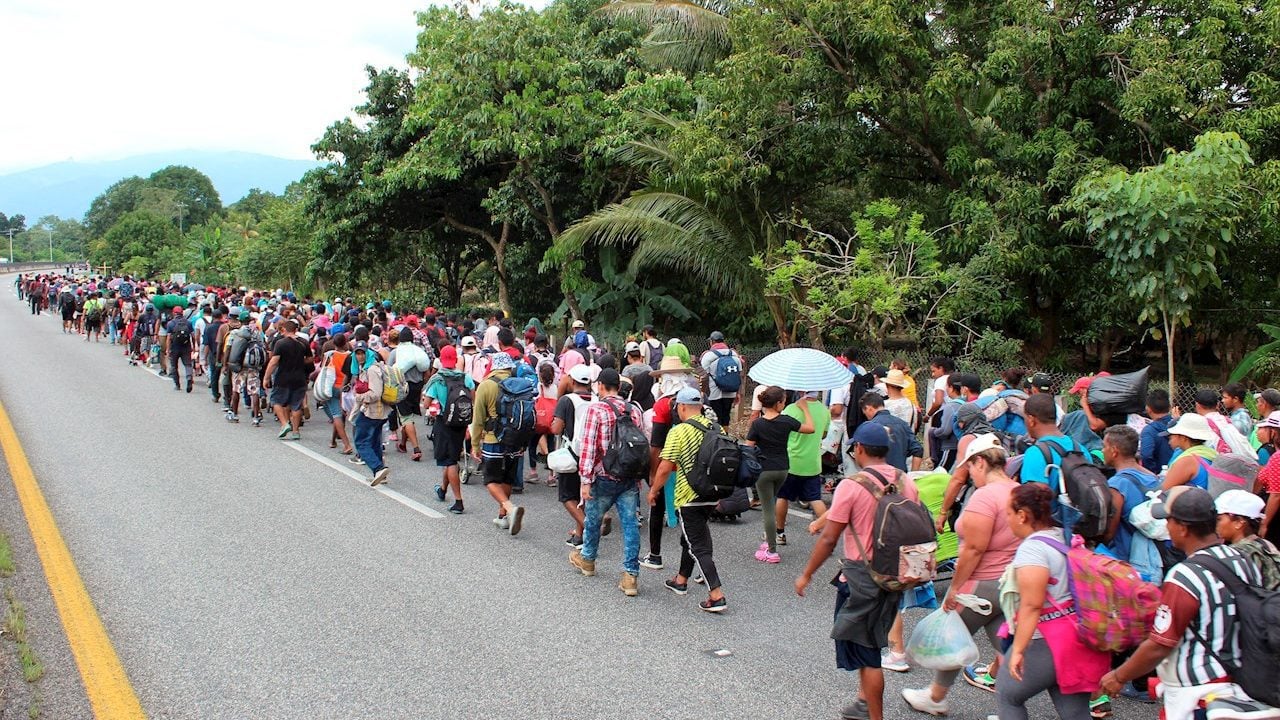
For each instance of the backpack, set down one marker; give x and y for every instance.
(715, 468)
(1014, 443)
(1257, 669)
(1114, 606)
(544, 412)
(857, 388)
(255, 354)
(458, 407)
(326, 378)
(394, 386)
(727, 373)
(181, 332)
(1231, 441)
(1084, 491)
(905, 544)
(516, 417)
(627, 456)
(1004, 410)
(749, 467)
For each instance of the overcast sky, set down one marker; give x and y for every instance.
(88, 80)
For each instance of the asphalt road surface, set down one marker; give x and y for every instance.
(240, 577)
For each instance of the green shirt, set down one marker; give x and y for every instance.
(932, 487)
(804, 451)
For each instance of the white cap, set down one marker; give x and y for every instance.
(468, 341)
(581, 374)
(982, 443)
(1242, 503)
(578, 324)
(632, 347)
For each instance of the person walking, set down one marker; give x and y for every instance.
(501, 465)
(724, 370)
(286, 378)
(454, 392)
(770, 434)
(370, 412)
(602, 489)
(181, 336)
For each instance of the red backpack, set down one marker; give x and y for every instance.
(544, 411)
(1114, 605)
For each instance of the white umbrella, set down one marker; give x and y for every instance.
(802, 369)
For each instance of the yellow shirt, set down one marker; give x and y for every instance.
(910, 392)
(683, 444)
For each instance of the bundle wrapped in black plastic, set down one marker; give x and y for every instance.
(1119, 394)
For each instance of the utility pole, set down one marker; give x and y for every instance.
(10, 231)
(182, 207)
(50, 231)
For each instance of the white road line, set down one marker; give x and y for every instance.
(364, 480)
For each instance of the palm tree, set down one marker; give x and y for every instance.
(688, 35)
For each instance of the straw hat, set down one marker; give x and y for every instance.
(896, 378)
(670, 364)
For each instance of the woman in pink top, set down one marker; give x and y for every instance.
(987, 545)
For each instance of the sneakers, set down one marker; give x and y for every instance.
(1100, 707)
(456, 508)
(502, 522)
(294, 436)
(573, 541)
(355, 460)
(979, 676)
(1137, 695)
(284, 432)
(232, 417)
(651, 561)
(782, 538)
(677, 588)
(517, 520)
(257, 421)
(585, 566)
(714, 606)
(897, 662)
(857, 711)
(1237, 709)
(921, 700)
(764, 556)
(440, 493)
(699, 579)
(380, 477)
(628, 585)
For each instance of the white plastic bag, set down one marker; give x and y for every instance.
(562, 462)
(942, 642)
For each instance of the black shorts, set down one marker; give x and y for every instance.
(411, 403)
(448, 444)
(499, 467)
(805, 488)
(569, 488)
(290, 397)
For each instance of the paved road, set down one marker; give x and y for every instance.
(241, 578)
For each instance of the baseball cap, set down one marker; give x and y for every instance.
(1271, 421)
(608, 376)
(467, 341)
(632, 348)
(1207, 398)
(1242, 503)
(1083, 383)
(177, 311)
(578, 325)
(981, 443)
(1042, 381)
(245, 315)
(688, 396)
(429, 310)
(873, 434)
(581, 374)
(359, 345)
(448, 357)
(716, 336)
(1185, 504)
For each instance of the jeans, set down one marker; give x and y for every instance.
(215, 378)
(368, 441)
(606, 493)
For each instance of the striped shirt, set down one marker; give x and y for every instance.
(681, 448)
(1195, 609)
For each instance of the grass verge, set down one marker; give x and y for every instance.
(15, 628)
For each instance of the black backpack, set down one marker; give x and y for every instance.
(1257, 669)
(715, 468)
(904, 543)
(1085, 486)
(627, 456)
(853, 416)
(181, 332)
(516, 416)
(458, 406)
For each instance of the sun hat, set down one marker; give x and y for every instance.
(1193, 426)
(981, 443)
(670, 364)
(1242, 503)
(896, 378)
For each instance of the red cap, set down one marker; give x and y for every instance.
(448, 357)
(177, 311)
(411, 321)
(1083, 383)
(429, 311)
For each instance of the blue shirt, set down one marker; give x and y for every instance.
(1154, 450)
(1133, 487)
(1034, 465)
(903, 443)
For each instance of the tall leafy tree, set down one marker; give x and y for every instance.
(192, 188)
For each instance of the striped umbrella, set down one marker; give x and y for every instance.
(804, 369)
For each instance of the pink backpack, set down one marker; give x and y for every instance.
(1114, 606)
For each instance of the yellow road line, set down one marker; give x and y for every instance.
(110, 693)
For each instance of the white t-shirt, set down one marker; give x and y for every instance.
(756, 405)
(939, 386)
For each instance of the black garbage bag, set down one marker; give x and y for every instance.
(1119, 394)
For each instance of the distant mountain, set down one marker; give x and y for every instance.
(66, 189)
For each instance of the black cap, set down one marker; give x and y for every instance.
(1186, 504)
(716, 336)
(1042, 381)
(1207, 398)
(609, 378)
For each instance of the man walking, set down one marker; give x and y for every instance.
(286, 378)
(180, 336)
(602, 489)
(724, 377)
(211, 346)
(501, 466)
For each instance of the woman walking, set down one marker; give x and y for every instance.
(769, 433)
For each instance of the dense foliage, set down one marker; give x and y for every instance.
(950, 175)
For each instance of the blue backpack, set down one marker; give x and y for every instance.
(728, 371)
(1012, 423)
(516, 414)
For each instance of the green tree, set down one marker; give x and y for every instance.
(193, 190)
(140, 241)
(1164, 229)
(253, 203)
(120, 198)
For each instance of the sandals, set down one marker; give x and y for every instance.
(347, 452)
(400, 448)
(417, 455)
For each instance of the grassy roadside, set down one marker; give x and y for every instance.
(14, 629)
